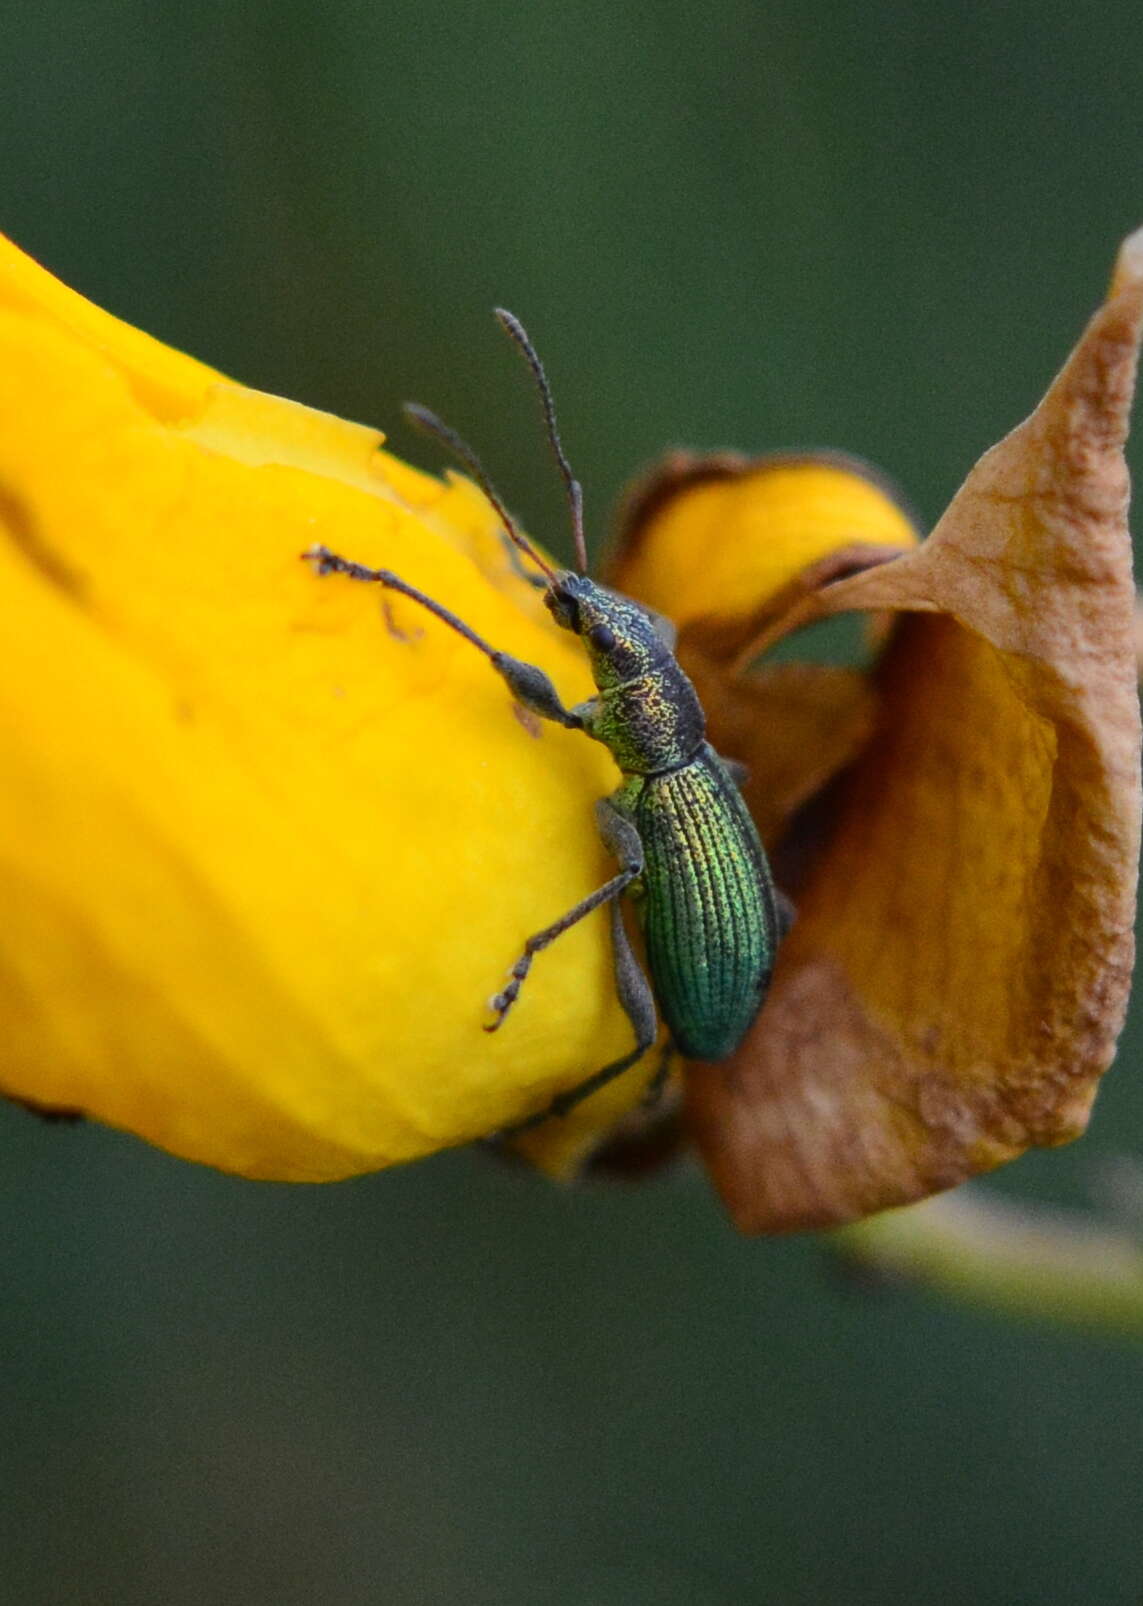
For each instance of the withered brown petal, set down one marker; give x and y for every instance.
(958, 975)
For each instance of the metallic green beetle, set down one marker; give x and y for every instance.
(688, 850)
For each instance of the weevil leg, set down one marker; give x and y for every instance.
(634, 993)
(622, 839)
(530, 686)
(639, 1005)
(527, 683)
(631, 985)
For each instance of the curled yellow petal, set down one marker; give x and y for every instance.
(711, 539)
(958, 975)
(727, 547)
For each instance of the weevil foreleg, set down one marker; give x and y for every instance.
(622, 839)
(527, 683)
(638, 1001)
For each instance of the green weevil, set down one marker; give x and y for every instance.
(688, 851)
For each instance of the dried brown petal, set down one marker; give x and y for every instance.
(958, 975)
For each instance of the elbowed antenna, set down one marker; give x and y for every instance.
(424, 419)
(516, 332)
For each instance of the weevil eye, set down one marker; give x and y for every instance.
(602, 637)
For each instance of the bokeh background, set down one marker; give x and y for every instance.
(877, 227)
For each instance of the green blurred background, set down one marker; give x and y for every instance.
(877, 227)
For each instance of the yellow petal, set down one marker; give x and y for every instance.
(958, 975)
(262, 862)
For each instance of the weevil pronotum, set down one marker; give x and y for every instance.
(688, 851)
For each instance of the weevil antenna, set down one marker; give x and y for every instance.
(428, 423)
(516, 332)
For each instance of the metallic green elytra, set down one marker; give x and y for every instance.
(689, 854)
(710, 918)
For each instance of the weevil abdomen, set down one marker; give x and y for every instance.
(708, 908)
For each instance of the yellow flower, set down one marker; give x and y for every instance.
(263, 860)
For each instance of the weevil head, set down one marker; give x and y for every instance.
(619, 636)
